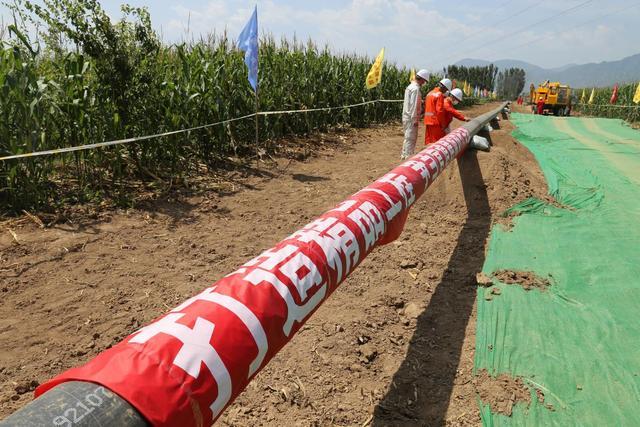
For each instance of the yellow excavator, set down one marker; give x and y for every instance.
(556, 97)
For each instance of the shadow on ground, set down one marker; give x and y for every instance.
(309, 178)
(421, 388)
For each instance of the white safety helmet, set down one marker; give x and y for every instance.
(423, 74)
(446, 83)
(457, 94)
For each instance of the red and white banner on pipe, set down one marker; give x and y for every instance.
(187, 366)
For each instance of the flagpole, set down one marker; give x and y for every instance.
(256, 119)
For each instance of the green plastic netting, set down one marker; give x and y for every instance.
(578, 341)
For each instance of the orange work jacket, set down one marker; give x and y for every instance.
(434, 108)
(450, 112)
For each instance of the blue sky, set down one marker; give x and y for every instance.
(421, 33)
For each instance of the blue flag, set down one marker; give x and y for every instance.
(248, 43)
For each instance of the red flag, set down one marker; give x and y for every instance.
(614, 95)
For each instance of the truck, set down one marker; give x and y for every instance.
(556, 96)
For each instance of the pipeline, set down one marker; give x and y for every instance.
(187, 366)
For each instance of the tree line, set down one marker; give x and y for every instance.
(508, 83)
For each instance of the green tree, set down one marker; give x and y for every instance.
(481, 77)
(510, 83)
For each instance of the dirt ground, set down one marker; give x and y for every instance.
(393, 346)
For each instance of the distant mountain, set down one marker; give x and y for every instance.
(585, 75)
(564, 67)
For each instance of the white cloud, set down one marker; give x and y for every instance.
(195, 22)
(410, 30)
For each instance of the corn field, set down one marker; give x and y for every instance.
(116, 80)
(623, 109)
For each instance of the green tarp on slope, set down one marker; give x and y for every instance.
(579, 341)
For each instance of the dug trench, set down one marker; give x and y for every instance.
(392, 346)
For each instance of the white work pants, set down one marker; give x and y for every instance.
(410, 138)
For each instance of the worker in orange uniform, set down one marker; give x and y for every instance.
(434, 112)
(454, 98)
(540, 105)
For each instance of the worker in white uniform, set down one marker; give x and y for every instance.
(411, 112)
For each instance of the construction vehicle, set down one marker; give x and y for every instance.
(557, 98)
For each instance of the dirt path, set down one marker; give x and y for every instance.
(393, 346)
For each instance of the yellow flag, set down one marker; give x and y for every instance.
(636, 97)
(412, 76)
(583, 98)
(375, 75)
(593, 95)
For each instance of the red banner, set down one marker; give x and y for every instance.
(187, 366)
